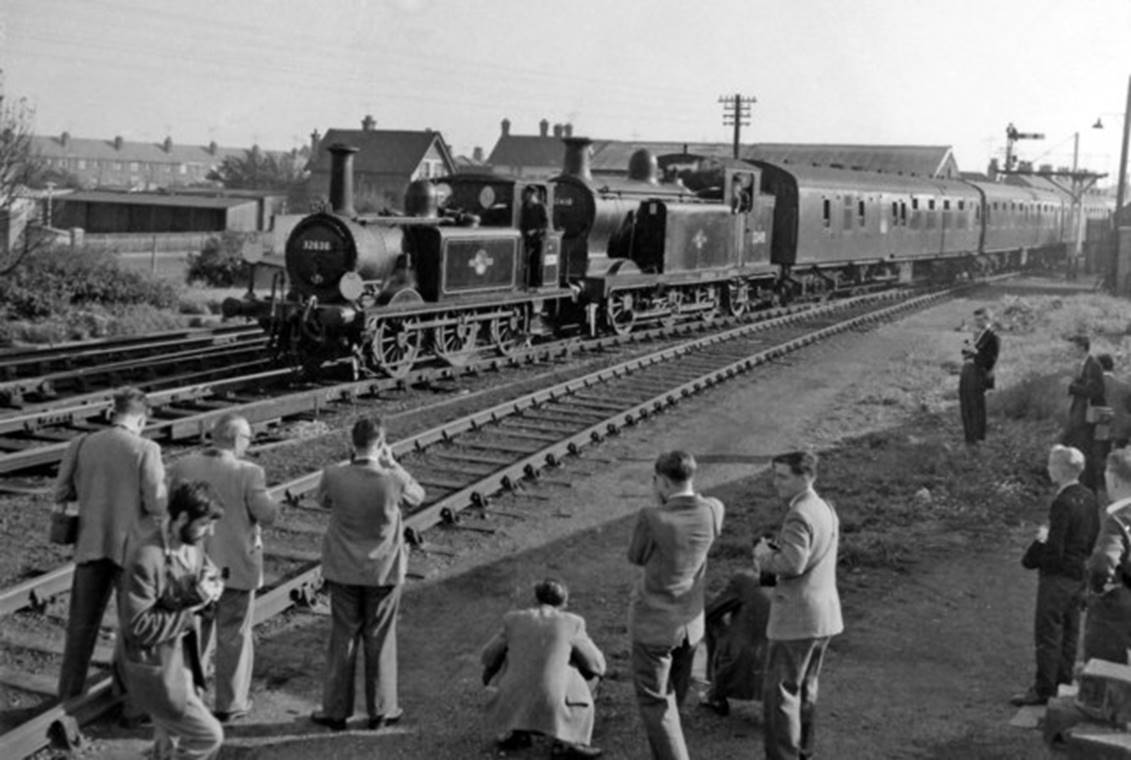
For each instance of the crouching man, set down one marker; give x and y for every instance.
(544, 656)
(167, 580)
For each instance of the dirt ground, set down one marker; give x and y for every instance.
(931, 652)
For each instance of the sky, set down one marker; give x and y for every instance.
(269, 72)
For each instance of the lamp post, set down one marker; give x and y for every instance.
(1120, 190)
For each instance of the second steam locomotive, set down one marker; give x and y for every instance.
(485, 262)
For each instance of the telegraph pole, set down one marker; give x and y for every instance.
(736, 111)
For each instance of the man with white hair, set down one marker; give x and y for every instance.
(1107, 629)
(1059, 553)
(235, 547)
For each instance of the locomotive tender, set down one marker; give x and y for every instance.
(475, 265)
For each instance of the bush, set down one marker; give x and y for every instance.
(220, 263)
(56, 279)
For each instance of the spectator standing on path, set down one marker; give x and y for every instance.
(666, 621)
(167, 581)
(117, 477)
(545, 657)
(364, 561)
(1087, 391)
(1059, 553)
(1107, 626)
(805, 612)
(1114, 430)
(236, 547)
(977, 376)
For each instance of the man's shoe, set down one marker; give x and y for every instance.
(228, 716)
(514, 740)
(334, 724)
(380, 721)
(720, 706)
(1030, 697)
(563, 750)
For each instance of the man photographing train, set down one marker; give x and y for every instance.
(977, 376)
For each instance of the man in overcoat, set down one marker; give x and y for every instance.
(670, 542)
(1059, 553)
(977, 376)
(364, 561)
(544, 656)
(117, 477)
(1107, 625)
(736, 641)
(167, 581)
(805, 612)
(236, 547)
(1087, 390)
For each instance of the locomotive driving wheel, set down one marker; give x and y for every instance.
(620, 313)
(395, 344)
(508, 333)
(454, 341)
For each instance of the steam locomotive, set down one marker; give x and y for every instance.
(486, 262)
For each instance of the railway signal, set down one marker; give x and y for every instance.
(1012, 135)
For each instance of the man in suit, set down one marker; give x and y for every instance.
(1059, 553)
(670, 542)
(167, 581)
(364, 561)
(545, 657)
(236, 547)
(118, 479)
(1114, 429)
(977, 376)
(1087, 390)
(1107, 626)
(805, 612)
(736, 641)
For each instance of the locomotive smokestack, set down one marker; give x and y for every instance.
(341, 179)
(576, 162)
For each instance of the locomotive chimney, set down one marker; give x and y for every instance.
(341, 179)
(576, 162)
(643, 167)
(543, 128)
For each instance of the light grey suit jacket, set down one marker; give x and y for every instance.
(806, 604)
(236, 543)
(119, 478)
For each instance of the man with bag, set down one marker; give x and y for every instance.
(1087, 392)
(237, 548)
(167, 580)
(1107, 627)
(117, 478)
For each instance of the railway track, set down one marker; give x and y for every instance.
(462, 464)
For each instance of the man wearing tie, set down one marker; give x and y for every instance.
(1087, 390)
(977, 376)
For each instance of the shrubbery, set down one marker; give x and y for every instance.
(220, 263)
(54, 280)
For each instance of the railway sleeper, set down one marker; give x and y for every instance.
(515, 431)
(473, 458)
(495, 446)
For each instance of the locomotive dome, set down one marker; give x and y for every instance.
(643, 166)
(421, 198)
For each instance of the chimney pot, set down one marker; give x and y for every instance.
(506, 125)
(543, 128)
(168, 144)
(212, 148)
(314, 138)
(65, 138)
(567, 130)
(558, 130)
(118, 142)
(477, 154)
(368, 123)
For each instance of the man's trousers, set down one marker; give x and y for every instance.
(365, 616)
(789, 698)
(972, 401)
(193, 735)
(661, 676)
(1056, 630)
(91, 585)
(227, 637)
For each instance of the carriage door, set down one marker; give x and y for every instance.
(750, 236)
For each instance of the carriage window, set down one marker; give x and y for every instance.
(962, 205)
(914, 204)
(860, 212)
(826, 213)
(946, 205)
(894, 213)
(903, 213)
(931, 204)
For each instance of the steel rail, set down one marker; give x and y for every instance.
(59, 719)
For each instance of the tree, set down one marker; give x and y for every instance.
(257, 170)
(18, 167)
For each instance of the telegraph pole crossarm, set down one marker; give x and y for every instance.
(736, 112)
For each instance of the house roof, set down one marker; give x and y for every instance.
(919, 160)
(151, 152)
(527, 150)
(383, 151)
(155, 199)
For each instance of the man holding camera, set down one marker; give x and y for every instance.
(237, 548)
(977, 376)
(166, 582)
(805, 611)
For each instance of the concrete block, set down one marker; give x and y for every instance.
(1088, 741)
(1061, 714)
(1105, 691)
